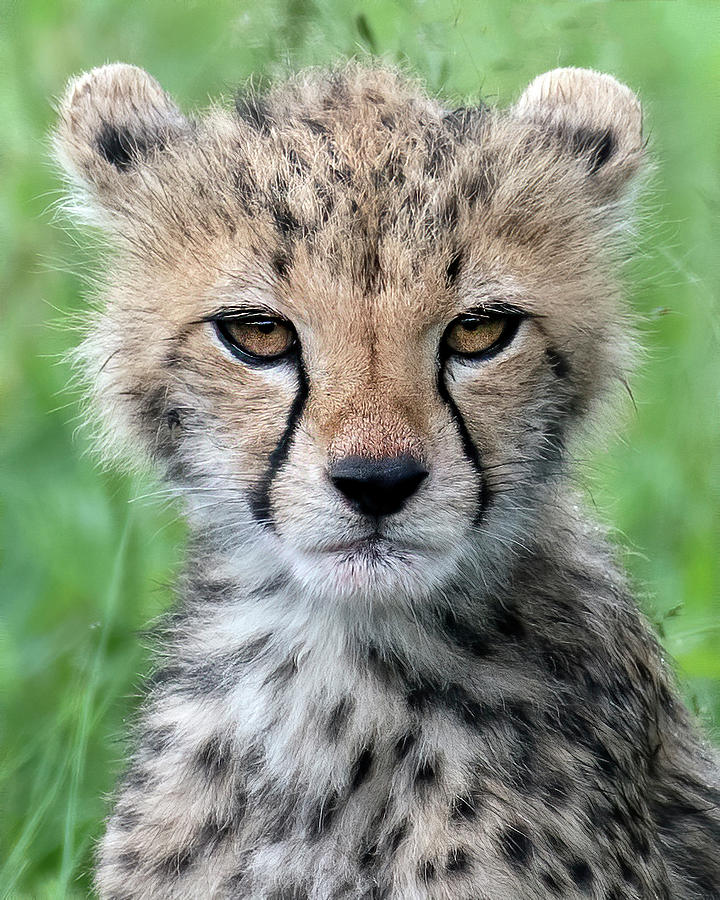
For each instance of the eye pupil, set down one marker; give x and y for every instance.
(266, 327)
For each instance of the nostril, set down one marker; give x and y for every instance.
(377, 487)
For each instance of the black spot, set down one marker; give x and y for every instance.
(552, 882)
(213, 758)
(237, 881)
(279, 810)
(581, 874)
(325, 201)
(476, 187)
(176, 864)
(597, 146)
(283, 672)
(368, 854)
(516, 846)
(557, 362)
(404, 745)
(556, 843)
(472, 712)
(466, 636)
(253, 109)
(323, 815)
(463, 121)
(121, 148)
(162, 676)
(464, 807)
(449, 213)
(379, 892)
(453, 268)
(315, 126)
(426, 871)
(245, 190)
(439, 150)
(421, 693)
(458, 861)
(397, 835)
(361, 768)
(249, 652)
(508, 622)
(604, 760)
(281, 261)
(214, 833)
(271, 587)
(298, 164)
(338, 718)
(426, 773)
(628, 873)
(285, 219)
(129, 860)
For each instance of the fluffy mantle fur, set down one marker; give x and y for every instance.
(460, 700)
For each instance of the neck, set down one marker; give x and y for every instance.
(248, 625)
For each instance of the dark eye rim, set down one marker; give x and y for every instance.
(513, 318)
(219, 323)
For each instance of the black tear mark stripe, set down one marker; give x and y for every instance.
(260, 500)
(557, 362)
(469, 448)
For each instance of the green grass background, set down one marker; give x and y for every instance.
(83, 568)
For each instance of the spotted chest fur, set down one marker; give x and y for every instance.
(357, 332)
(306, 765)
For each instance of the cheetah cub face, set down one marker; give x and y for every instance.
(356, 327)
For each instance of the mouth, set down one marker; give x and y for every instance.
(376, 565)
(370, 547)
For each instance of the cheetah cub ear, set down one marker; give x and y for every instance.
(114, 120)
(597, 119)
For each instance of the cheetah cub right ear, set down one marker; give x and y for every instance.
(598, 119)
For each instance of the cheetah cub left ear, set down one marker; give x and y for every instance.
(598, 120)
(112, 120)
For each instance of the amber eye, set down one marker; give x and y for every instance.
(480, 334)
(256, 338)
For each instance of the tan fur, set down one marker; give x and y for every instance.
(370, 217)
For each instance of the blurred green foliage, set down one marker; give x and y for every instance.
(84, 569)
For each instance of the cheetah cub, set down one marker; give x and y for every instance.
(356, 330)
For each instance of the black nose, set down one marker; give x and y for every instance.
(377, 487)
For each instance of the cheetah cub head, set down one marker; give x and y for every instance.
(354, 326)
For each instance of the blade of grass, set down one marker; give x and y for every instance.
(79, 750)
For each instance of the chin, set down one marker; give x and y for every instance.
(372, 570)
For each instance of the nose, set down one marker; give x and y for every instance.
(377, 487)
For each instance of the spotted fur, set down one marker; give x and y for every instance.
(469, 705)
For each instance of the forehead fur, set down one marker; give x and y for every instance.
(357, 154)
